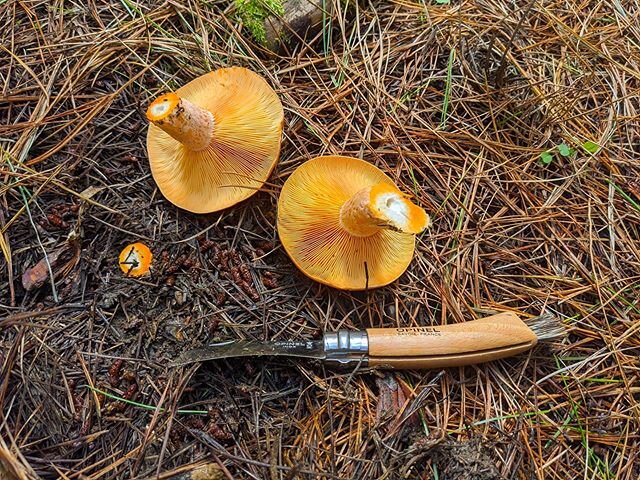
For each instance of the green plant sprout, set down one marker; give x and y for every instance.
(565, 150)
(591, 147)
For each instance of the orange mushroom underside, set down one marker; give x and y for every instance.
(310, 231)
(245, 145)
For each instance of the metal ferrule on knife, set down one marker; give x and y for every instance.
(346, 347)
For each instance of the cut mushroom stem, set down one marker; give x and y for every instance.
(186, 122)
(381, 206)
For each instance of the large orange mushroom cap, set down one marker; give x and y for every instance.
(344, 223)
(230, 122)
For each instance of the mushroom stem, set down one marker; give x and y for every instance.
(379, 207)
(186, 122)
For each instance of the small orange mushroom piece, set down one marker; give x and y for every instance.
(214, 142)
(344, 223)
(135, 260)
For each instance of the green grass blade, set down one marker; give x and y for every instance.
(143, 405)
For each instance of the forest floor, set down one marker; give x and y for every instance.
(516, 125)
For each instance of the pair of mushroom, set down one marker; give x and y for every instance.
(214, 142)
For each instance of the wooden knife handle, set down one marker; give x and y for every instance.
(446, 361)
(482, 340)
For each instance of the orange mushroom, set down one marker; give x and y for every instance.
(344, 223)
(135, 260)
(214, 142)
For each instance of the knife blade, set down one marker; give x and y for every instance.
(253, 348)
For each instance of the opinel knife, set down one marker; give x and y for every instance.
(491, 338)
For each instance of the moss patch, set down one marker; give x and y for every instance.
(254, 12)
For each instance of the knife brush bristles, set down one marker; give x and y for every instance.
(547, 327)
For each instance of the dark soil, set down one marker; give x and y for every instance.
(470, 460)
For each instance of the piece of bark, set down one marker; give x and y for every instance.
(302, 19)
(391, 398)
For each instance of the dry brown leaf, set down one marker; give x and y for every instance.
(62, 260)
